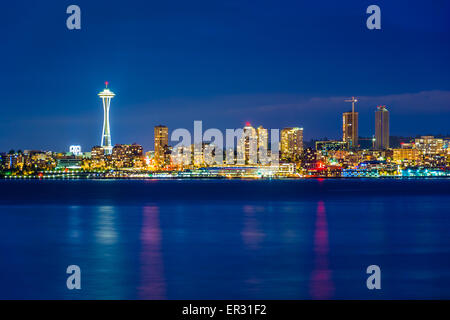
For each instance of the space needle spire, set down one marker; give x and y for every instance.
(106, 95)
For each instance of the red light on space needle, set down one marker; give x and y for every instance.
(106, 83)
(247, 124)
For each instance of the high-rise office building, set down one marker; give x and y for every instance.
(106, 95)
(381, 128)
(291, 143)
(350, 125)
(248, 146)
(350, 128)
(161, 144)
(263, 137)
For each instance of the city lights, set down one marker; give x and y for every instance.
(252, 157)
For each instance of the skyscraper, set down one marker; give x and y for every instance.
(263, 137)
(381, 128)
(350, 125)
(161, 144)
(291, 143)
(106, 95)
(248, 146)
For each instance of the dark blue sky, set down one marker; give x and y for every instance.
(275, 63)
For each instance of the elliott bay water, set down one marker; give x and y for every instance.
(225, 239)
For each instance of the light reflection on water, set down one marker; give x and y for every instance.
(152, 282)
(106, 232)
(75, 230)
(252, 234)
(310, 248)
(321, 283)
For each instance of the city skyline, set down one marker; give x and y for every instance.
(245, 152)
(348, 117)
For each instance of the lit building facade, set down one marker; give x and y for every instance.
(381, 128)
(350, 128)
(127, 155)
(75, 150)
(406, 155)
(291, 144)
(309, 158)
(263, 138)
(429, 145)
(247, 149)
(197, 152)
(331, 145)
(97, 153)
(161, 145)
(98, 157)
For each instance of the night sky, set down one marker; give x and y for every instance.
(272, 63)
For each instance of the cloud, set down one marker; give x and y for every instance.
(424, 102)
(411, 113)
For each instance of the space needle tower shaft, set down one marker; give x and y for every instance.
(106, 95)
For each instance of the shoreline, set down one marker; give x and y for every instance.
(8, 178)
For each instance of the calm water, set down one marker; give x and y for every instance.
(225, 239)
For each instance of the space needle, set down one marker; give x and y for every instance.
(106, 95)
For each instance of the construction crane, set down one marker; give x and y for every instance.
(353, 100)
